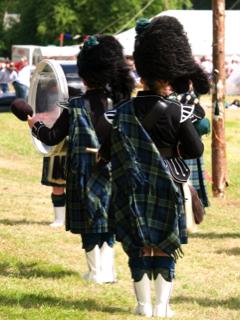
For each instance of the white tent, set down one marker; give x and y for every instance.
(126, 39)
(198, 26)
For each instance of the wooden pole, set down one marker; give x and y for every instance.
(219, 167)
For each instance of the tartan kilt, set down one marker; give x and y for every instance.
(53, 171)
(87, 189)
(181, 222)
(84, 213)
(146, 205)
(126, 230)
(197, 179)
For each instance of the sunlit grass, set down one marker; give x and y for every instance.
(41, 268)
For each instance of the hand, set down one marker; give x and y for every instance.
(32, 120)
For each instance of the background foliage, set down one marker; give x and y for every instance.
(43, 21)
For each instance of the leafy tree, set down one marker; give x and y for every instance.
(105, 16)
(42, 21)
(55, 17)
(111, 16)
(5, 6)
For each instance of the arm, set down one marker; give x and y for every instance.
(50, 136)
(191, 145)
(201, 124)
(199, 112)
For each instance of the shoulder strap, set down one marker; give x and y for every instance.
(153, 116)
(87, 107)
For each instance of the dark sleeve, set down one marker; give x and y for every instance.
(199, 112)
(103, 130)
(191, 145)
(54, 135)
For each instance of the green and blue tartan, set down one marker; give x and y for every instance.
(197, 179)
(145, 201)
(87, 189)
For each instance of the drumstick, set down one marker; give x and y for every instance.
(21, 109)
(91, 150)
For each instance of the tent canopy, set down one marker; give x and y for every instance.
(198, 26)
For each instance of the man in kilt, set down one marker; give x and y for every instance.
(104, 71)
(53, 170)
(143, 138)
(53, 175)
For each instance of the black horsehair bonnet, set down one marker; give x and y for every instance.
(162, 52)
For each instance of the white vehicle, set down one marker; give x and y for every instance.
(19, 51)
(56, 53)
(35, 54)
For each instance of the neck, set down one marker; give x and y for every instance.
(161, 88)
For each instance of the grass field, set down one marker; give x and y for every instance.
(41, 268)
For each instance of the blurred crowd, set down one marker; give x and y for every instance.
(232, 68)
(8, 74)
(15, 76)
(232, 63)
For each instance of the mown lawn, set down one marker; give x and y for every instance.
(41, 268)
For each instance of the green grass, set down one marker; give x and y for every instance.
(41, 268)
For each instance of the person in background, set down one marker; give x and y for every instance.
(135, 76)
(22, 83)
(53, 170)
(145, 140)
(103, 69)
(13, 72)
(207, 65)
(53, 175)
(8, 75)
(4, 78)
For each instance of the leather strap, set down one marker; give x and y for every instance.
(153, 116)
